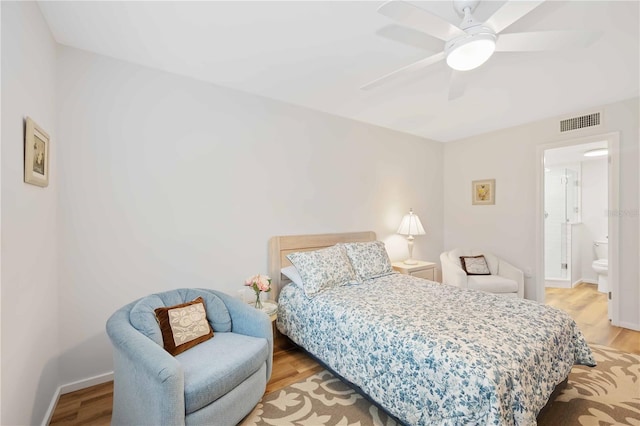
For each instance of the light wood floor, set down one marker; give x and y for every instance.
(588, 307)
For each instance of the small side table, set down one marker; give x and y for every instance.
(426, 270)
(270, 308)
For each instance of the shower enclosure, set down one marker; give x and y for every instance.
(561, 211)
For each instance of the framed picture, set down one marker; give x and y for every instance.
(36, 155)
(483, 191)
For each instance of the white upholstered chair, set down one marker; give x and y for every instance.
(505, 279)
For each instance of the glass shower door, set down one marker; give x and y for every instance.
(560, 204)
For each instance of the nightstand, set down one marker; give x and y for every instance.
(426, 270)
(270, 308)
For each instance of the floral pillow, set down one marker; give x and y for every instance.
(475, 265)
(369, 260)
(183, 326)
(322, 269)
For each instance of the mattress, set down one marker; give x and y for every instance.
(432, 354)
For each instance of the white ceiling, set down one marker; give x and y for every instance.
(318, 54)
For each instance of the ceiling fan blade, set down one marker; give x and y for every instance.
(422, 63)
(545, 40)
(457, 84)
(510, 12)
(415, 17)
(411, 37)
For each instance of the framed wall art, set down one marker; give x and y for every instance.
(483, 191)
(36, 155)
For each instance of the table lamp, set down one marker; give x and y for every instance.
(410, 226)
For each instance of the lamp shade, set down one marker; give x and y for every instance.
(411, 225)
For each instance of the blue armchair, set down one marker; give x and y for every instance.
(217, 382)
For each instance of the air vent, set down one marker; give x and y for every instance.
(581, 122)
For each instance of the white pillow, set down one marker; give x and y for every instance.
(292, 273)
(369, 259)
(323, 269)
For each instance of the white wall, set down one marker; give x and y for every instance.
(29, 236)
(595, 191)
(170, 182)
(508, 227)
(0, 223)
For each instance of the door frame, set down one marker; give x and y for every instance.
(613, 141)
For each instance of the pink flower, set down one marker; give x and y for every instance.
(259, 283)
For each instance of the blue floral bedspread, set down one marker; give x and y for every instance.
(432, 354)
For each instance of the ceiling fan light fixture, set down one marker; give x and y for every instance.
(470, 51)
(598, 152)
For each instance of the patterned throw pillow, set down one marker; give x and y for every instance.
(322, 269)
(369, 260)
(475, 265)
(183, 326)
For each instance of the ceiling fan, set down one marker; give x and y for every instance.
(470, 44)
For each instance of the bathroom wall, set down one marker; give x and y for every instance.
(594, 212)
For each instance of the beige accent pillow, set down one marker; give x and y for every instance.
(475, 265)
(183, 326)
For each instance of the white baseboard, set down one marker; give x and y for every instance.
(85, 383)
(72, 387)
(630, 326)
(557, 283)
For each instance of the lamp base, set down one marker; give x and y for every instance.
(410, 260)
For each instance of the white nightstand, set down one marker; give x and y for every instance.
(426, 270)
(270, 308)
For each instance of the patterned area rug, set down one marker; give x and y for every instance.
(608, 394)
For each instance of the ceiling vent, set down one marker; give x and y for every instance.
(581, 122)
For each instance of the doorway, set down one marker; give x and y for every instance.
(576, 238)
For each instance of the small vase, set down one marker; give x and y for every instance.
(258, 304)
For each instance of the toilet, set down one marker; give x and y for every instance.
(601, 264)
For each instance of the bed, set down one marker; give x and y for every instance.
(429, 354)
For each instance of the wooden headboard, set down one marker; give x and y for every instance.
(280, 247)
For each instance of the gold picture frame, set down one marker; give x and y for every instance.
(36, 154)
(483, 191)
